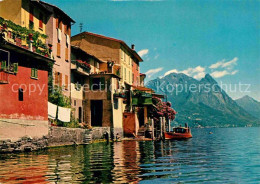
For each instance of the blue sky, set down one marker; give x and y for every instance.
(219, 37)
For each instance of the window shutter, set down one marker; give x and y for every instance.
(36, 73)
(32, 72)
(56, 77)
(3, 65)
(40, 20)
(65, 29)
(66, 54)
(66, 82)
(90, 83)
(60, 80)
(60, 25)
(58, 49)
(102, 81)
(57, 23)
(69, 29)
(15, 67)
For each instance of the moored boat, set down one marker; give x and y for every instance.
(179, 133)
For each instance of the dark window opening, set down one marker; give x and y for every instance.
(20, 94)
(80, 114)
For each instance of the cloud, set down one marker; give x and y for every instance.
(143, 52)
(219, 74)
(197, 72)
(234, 72)
(156, 56)
(227, 68)
(151, 72)
(223, 64)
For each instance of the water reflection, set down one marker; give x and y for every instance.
(227, 156)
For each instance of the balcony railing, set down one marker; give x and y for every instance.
(23, 37)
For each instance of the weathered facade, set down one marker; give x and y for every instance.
(25, 62)
(58, 29)
(116, 72)
(82, 64)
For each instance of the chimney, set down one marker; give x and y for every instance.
(133, 47)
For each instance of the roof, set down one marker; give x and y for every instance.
(104, 74)
(135, 54)
(142, 74)
(158, 95)
(142, 88)
(57, 8)
(78, 48)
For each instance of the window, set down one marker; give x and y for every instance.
(20, 94)
(31, 14)
(58, 79)
(34, 73)
(75, 102)
(97, 83)
(122, 54)
(40, 21)
(58, 49)
(97, 65)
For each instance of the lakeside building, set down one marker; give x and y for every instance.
(120, 69)
(58, 30)
(99, 75)
(82, 65)
(25, 63)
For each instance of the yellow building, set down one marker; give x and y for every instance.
(115, 70)
(26, 13)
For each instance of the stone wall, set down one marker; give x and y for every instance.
(58, 136)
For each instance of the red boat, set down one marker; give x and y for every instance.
(179, 133)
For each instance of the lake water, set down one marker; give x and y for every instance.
(229, 155)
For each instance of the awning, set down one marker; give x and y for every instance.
(142, 88)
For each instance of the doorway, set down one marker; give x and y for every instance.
(96, 112)
(80, 114)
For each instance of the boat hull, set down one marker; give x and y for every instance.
(172, 135)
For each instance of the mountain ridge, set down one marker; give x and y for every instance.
(251, 105)
(201, 102)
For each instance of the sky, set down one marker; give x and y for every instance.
(218, 37)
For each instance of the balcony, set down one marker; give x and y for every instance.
(80, 67)
(25, 38)
(4, 77)
(141, 98)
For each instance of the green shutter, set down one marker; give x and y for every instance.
(36, 73)
(15, 67)
(32, 72)
(90, 83)
(3, 65)
(102, 80)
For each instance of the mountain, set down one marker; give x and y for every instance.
(201, 102)
(250, 105)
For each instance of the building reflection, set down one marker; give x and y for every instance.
(26, 169)
(126, 162)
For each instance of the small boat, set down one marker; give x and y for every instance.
(179, 133)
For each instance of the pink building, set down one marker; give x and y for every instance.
(58, 29)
